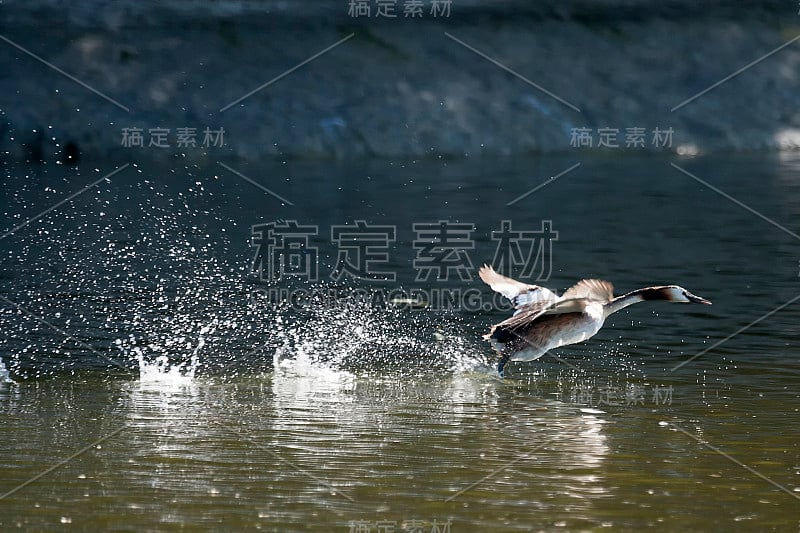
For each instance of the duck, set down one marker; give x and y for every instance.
(543, 321)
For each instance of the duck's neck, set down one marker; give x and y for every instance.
(639, 295)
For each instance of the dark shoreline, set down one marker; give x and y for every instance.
(397, 88)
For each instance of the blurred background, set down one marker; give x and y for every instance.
(418, 78)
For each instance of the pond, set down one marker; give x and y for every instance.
(189, 346)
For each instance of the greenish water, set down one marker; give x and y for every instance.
(359, 419)
(317, 452)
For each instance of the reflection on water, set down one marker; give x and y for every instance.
(316, 447)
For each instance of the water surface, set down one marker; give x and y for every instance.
(348, 417)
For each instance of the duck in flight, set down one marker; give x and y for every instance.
(543, 321)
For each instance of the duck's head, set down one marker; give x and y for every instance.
(674, 293)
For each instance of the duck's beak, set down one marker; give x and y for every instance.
(696, 299)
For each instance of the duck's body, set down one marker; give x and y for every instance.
(544, 321)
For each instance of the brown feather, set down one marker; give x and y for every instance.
(592, 289)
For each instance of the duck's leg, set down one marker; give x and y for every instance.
(502, 364)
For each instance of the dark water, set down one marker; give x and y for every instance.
(158, 387)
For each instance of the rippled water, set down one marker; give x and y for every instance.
(154, 389)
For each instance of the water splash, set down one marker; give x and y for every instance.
(354, 335)
(147, 286)
(149, 272)
(4, 376)
(161, 369)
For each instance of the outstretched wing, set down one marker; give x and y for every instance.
(528, 313)
(590, 289)
(522, 294)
